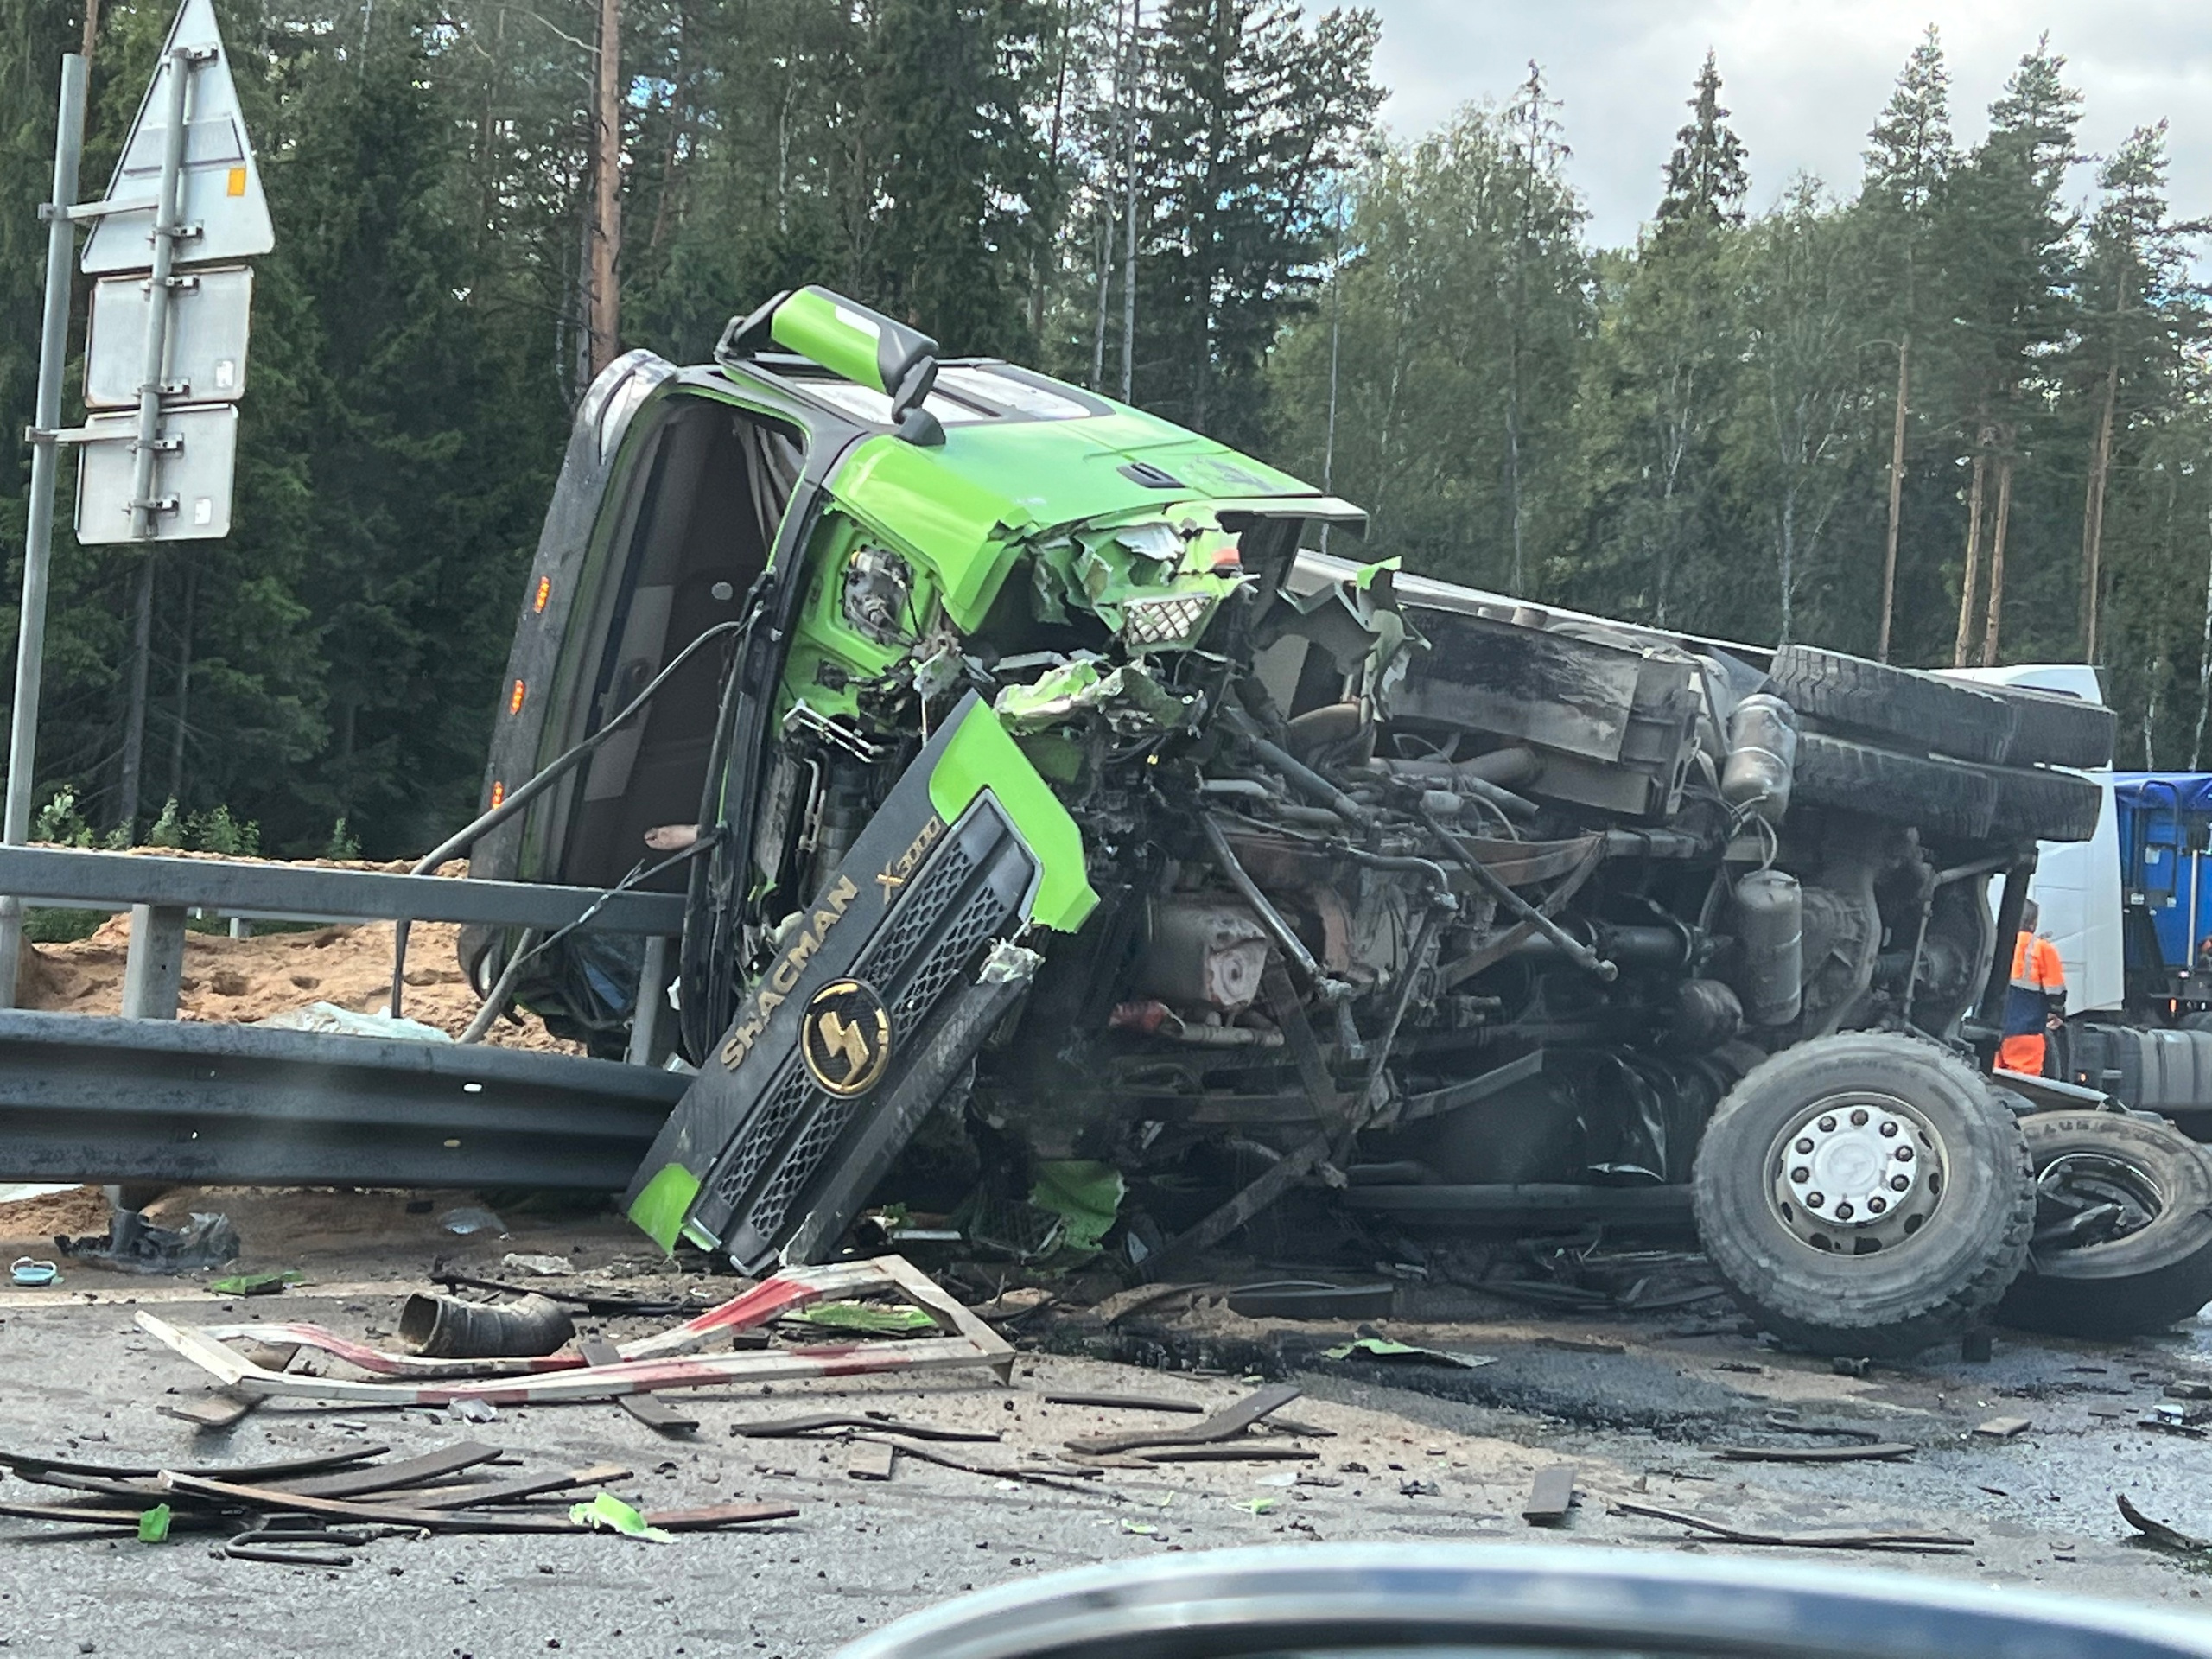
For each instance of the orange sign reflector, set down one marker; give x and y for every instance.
(499, 793)
(235, 185)
(514, 699)
(544, 593)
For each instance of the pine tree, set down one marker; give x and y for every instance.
(1908, 165)
(1707, 181)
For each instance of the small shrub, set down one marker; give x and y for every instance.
(59, 822)
(217, 831)
(343, 843)
(169, 828)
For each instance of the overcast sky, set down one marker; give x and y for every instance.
(1805, 78)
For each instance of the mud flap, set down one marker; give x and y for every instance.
(874, 1002)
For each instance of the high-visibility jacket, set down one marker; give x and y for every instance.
(2038, 980)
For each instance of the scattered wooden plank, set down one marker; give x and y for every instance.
(1551, 1494)
(712, 1517)
(817, 1421)
(1232, 1451)
(2002, 1428)
(1864, 1452)
(1225, 1424)
(213, 1410)
(654, 1413)
(871, 1460)
(1125, 1402)
(24, 1462)
(1820, 1540)
(2157, 1531)
(387, 1476)
(480, 1494)
(266, 1498)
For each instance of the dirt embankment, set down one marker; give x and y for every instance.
(238, 980)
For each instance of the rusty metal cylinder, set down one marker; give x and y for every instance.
(1767, 912)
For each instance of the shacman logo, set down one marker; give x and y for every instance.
(847, 1036)
(778, 982)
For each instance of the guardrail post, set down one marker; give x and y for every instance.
(154, 972)
(652, 999)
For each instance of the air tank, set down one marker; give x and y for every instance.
(1767, 912)
(1762, 755)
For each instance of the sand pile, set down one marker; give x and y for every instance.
(237, 980)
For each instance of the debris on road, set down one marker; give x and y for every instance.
(1815, 1540)
(2158, 1532)
(137, 1245)
(2002, 1428)
(871, 1459)
(446, 1327)
(654, 1414)
(1125, 1402)
(1225, 1424)
(649, 1364)
(1407, 1352)
(1551, 1494)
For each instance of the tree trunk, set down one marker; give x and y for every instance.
(134, 714)
(1896, 498)
(679, 127)
(183, 685)
(1997, 559)
(607, 187)
(1129, 212)
(2092, 518)
(1971, 574)
(1049, 233)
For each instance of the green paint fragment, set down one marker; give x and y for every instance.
(154, 1525)
(257, 1284)
(607, 1513)
(981, 755)
(661, 1209)
(1257, 1505)
(1086, 1195)
(859, 1316)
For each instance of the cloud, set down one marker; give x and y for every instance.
(1804, 80)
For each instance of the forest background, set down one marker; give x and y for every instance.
(1945, 412)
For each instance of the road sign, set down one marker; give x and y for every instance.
(208, 323)
(220, 195)
(191, 484)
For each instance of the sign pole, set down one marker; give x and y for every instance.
(38, 534)
(143, 507)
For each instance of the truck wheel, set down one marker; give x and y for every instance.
(1944, 796)
(1893, 703)
(2054, 730)
(1864, 1194)
(2028, 801)
(2123, 1239)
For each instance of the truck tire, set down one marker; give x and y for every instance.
(1947, 796)
(1874, 698)
(2052, 730)
(2092, 1273)
(2028, 801)
(1874, 1269)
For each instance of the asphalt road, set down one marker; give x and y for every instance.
(1423, 1452)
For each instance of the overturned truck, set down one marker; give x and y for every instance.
(1038, 794)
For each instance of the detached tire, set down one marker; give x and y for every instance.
(1948, 798)
(1925, 710)
(1864, 1194)
(2053, 729)
(2119, 1274)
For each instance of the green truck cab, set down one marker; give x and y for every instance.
(1036, 784)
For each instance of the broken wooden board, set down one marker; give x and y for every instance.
(1125, 1402)
(1225, 1424)
(1233, 1451)
(1815, 1540)
(2158, 1532)
(2002, 1428)
(814, 1422)
(1551, 1494)
(657, 1414)
(871, 1460)
(268, 1498)
(213, 1410)
(1864, 1452)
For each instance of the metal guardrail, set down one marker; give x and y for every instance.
(159, 891)
(89, 1097)
(146, 1097)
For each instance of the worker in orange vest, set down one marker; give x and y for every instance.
(2035, 1001)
